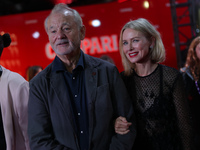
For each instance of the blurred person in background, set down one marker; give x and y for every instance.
(157, 91)
(32, 71)
(191, 76)
(75, 100)
(13, 106)
(107, 58)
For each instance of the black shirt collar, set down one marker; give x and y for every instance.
(59, 65)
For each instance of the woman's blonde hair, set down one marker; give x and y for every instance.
(157, 53)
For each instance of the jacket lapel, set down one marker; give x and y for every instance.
(63, 97)
(91, 76)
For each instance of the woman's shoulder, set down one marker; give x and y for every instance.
(170, 70)
(170, 74)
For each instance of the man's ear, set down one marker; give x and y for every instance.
(82, 32)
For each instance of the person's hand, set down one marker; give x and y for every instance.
(122, 125)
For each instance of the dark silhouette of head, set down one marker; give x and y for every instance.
(5, 41)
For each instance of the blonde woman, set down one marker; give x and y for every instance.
(156, 90)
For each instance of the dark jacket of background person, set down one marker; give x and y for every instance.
(107, 99)
(191, 76)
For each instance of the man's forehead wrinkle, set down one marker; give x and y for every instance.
(63, 24)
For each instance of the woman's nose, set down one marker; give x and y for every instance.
(131, 46)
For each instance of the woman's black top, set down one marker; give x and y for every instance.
(161, 109)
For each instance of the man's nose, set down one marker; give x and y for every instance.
(60, 34)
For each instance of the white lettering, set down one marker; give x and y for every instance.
(98, 45)
(91, 46)
(96, 48)
(115, 42)
(86, 45)
(106, 43)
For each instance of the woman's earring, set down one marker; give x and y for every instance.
(151, 47)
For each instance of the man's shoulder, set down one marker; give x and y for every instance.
(11, 74)
(13, 77)
(94, 61)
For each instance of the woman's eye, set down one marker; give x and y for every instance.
(125, 43)
(135, 40)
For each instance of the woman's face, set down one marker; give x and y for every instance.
(198, 50)
(135, 46)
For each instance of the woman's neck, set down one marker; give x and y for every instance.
(145, 69)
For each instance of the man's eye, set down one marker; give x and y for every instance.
(53, 31)
(66, 29)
